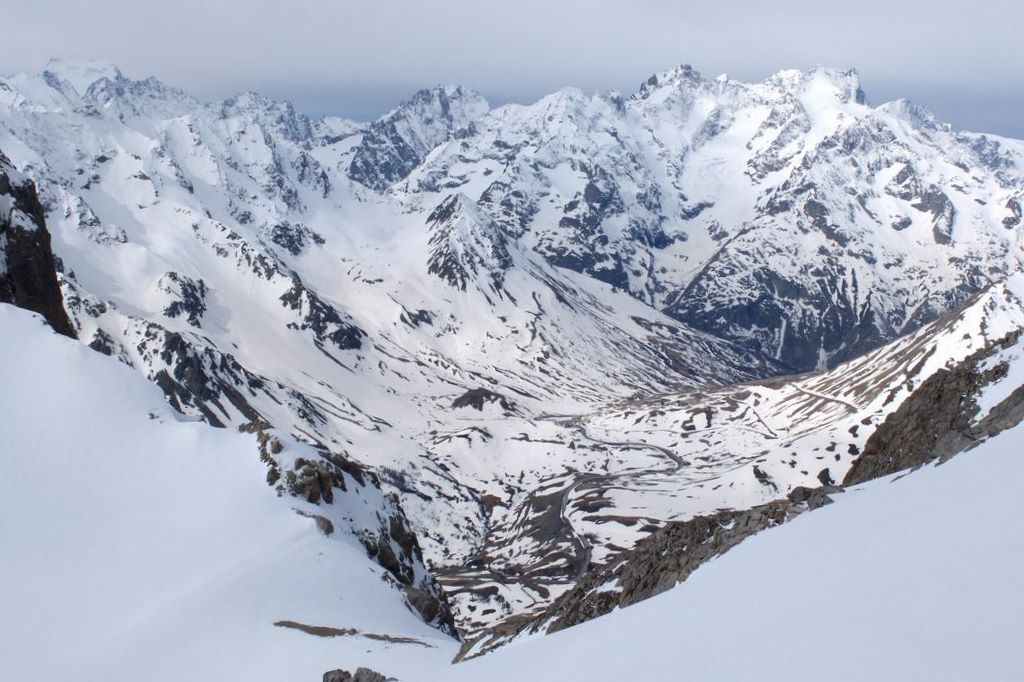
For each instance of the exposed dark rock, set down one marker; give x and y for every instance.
(189, 297)
(657, 563)
(1013, 220)
(796, 321)
(323, 524)
(466, 245)
(294, 238)
(819, 216)
(201, 378)
(28, 274)
(478, 397)
(902, 224)
(393, 146)
(314, 481)
(934, 201)
(414, 318)
(394, 545)
(660, 561)
(937, 420)
(510, 208)
(360, 675)
(102, 343)
(813, 497)
(321, 318)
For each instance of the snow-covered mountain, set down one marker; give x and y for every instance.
(788, 215)
(539, 344)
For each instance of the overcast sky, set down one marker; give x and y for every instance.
(360, 57)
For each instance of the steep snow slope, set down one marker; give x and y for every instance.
(140, 545)
(912, 578)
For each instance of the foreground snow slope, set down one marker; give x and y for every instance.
(139, 547)
(912, 578)
(146, 548)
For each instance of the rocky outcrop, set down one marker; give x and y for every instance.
(476, 398)
(320, 317)
(466, 246)
(390, 541)
(394, 145)
(186, 297)
(360, 675)
(937, 420)
(28, 272)
(662, 560)
(657, 563)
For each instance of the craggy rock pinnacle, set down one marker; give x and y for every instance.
(28, 273)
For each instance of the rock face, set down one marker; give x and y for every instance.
(466, 246)
(664, 559)
(657, 563)
(360, 675)
(28, 276)
(393, 146)
(939, 419)
(329, 480)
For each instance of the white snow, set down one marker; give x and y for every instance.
(81, 73)
(140, 547)
(136, 546)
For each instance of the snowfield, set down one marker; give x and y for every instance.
(141, 546)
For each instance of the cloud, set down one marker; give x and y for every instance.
(358, 57)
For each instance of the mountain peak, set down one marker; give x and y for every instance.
(845, 83)
(397, 142)
(81, 73)
(455, 103)
(682, 75)
(917, 115)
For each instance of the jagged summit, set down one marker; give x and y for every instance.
(784, 83)
(80, 73)
(466, 245)
(396, 143)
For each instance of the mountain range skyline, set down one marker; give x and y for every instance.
(356, 59)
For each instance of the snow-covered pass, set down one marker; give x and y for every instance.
(294, 399)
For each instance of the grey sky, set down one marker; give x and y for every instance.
(360, 57)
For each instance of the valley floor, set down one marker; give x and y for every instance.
(140, 547)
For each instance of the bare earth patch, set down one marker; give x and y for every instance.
(325, 631)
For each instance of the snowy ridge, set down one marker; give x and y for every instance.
(788, 214)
